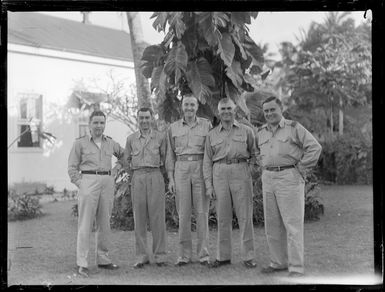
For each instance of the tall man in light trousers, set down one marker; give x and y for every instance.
(229, 149)
(286, 151)
(89, 168)
(146, 152)
(186, 141)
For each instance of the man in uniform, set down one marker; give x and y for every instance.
(285, 150)
(186, 140)
(146, 152)
(230, 147)
(89, 167)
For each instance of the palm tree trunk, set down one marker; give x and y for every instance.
(341, 119)
(138, 45)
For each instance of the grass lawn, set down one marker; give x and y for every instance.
(338, 249)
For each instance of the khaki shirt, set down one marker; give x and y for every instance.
(86, 155)
(239, 143)
(290, 144)
(185, 139)
(147, 151)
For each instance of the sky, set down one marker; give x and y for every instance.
(269, 27)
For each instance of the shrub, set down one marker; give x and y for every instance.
(347, 159)
(22, 207)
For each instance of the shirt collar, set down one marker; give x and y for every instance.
(139, 135)
(281, 124)
(103, 138)
(236, 124)
(196, 121)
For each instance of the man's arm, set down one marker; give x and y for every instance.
(208, 167)
(311, 148)
(170, 160)
(73, 164)
(163, 149)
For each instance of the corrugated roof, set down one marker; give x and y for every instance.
(45, 31)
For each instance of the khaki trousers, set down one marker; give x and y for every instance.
(95, 200)
(283, 201)
(233, 188)
(148, 201)
(191, 194)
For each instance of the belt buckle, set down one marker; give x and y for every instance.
(190, 158)
(279, 168)
(228, 161)
(96, 172)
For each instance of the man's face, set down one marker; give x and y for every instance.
(189, 106)
(272, 112)
(144, 120)
(97, 125)
(226, 111)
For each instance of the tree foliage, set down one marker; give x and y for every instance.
(207, 53)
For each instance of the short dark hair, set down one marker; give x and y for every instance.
(97, 113)
(145, 109)
(273, 98)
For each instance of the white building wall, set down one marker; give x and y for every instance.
(54, 78)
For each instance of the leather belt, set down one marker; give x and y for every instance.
(231, 161)
(279, 168)
(189, 157)
(146, 169)
(96, 172)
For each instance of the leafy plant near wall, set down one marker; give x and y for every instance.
(207, 53)
(22, 207)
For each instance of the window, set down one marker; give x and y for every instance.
(30, 118)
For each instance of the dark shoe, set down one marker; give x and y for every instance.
(109, 266)
(205, 263)
(295, 274)
(83, 272)
(269, 270)
(162, 264)
(217, 264)
(181, 263)
(250, 264)
(140, 265)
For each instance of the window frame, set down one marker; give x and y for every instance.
(29, 121)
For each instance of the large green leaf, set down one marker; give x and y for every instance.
(176, 59)
(147, 69)
(240, 18)
(233, 93)
(155, 77)
(234, 72)
(152, 53)
(160, 22)
(240, 46)
(177, 23)
(220, 19)
(226, 49)
(208, 29)
(199, 78)
(254, 51)
(163, 85)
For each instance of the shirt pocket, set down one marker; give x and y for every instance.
(284, 145)
(198, 140)
(180, 141)
(217, 145)
(90, 155)
(239, 142)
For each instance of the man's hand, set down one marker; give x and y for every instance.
(78, 183)
(171, 186)
(211, 194)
